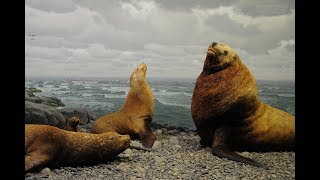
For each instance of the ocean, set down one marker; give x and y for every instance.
(172, 98)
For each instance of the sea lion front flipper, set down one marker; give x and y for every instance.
(145, 133)
(220, 149)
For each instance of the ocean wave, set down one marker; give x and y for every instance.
(119, 89)
(286, 95)
(273, 88)
(168, 93)
(165, 102)
(114, 96)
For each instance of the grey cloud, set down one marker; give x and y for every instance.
(223, 23)
(249, 7)
(59, 6)
(110, 38)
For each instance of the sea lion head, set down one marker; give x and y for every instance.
(138, 76)
(117, 142)
(219, 57)
(73, 121)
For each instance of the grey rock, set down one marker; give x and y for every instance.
(174, 140)
(52, 101)
(158, 159)
(81, 113)
(128, 152)
(164, 131)
(136, 144)
(34, 90)
(43, 114)
(156, 145)
(158, 132)
(45, 171)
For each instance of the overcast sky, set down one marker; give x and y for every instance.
(108, 38)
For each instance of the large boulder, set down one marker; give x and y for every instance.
(84, 115)
(43, 114)
(51, 101)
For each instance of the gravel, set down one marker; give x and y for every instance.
(177, 155)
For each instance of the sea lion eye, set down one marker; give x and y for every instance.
(225, 52)
(137, 69)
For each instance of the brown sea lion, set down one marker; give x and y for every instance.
(228, 113)
(135, 117)
(49, 146)
(71, 124)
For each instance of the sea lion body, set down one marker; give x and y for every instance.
(135, 117)
(228, 113)
(50, 146)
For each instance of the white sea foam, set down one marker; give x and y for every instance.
(286, 95)
(114, 96)
(166, 102)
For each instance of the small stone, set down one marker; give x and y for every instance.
(158, 159)
(101, 176)
(183, 133)
(177, 146)
(136, 144)
(156, 145)
(57, 171)
(46, 171)
(174, 140)
(159, 132)
(174, 131)
(175, 173)
(273, 175)
(245, 153)
(164, 131)
(82, 130)
(128, 152)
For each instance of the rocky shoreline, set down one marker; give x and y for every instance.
(176, 155)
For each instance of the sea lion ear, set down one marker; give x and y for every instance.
(111, 138)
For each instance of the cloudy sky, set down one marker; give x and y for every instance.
(109, 38)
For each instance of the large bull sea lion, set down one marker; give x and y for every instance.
(228, 113)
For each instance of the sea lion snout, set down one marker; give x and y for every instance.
(142, 66)
(213, 44)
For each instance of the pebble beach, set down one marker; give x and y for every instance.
(176, 154)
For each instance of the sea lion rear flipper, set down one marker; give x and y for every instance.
(35, 160)
(219, 148)
(225, 153)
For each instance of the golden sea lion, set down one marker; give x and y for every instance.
(135, 117)
(228, 113)
(50, 146)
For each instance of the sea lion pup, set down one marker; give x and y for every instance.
(228, 113)
(49, 146)
(71, 124)
(135, 117)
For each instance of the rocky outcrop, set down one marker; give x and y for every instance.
(43, 114)
(84, 115)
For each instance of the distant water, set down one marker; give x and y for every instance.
(172, 97)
